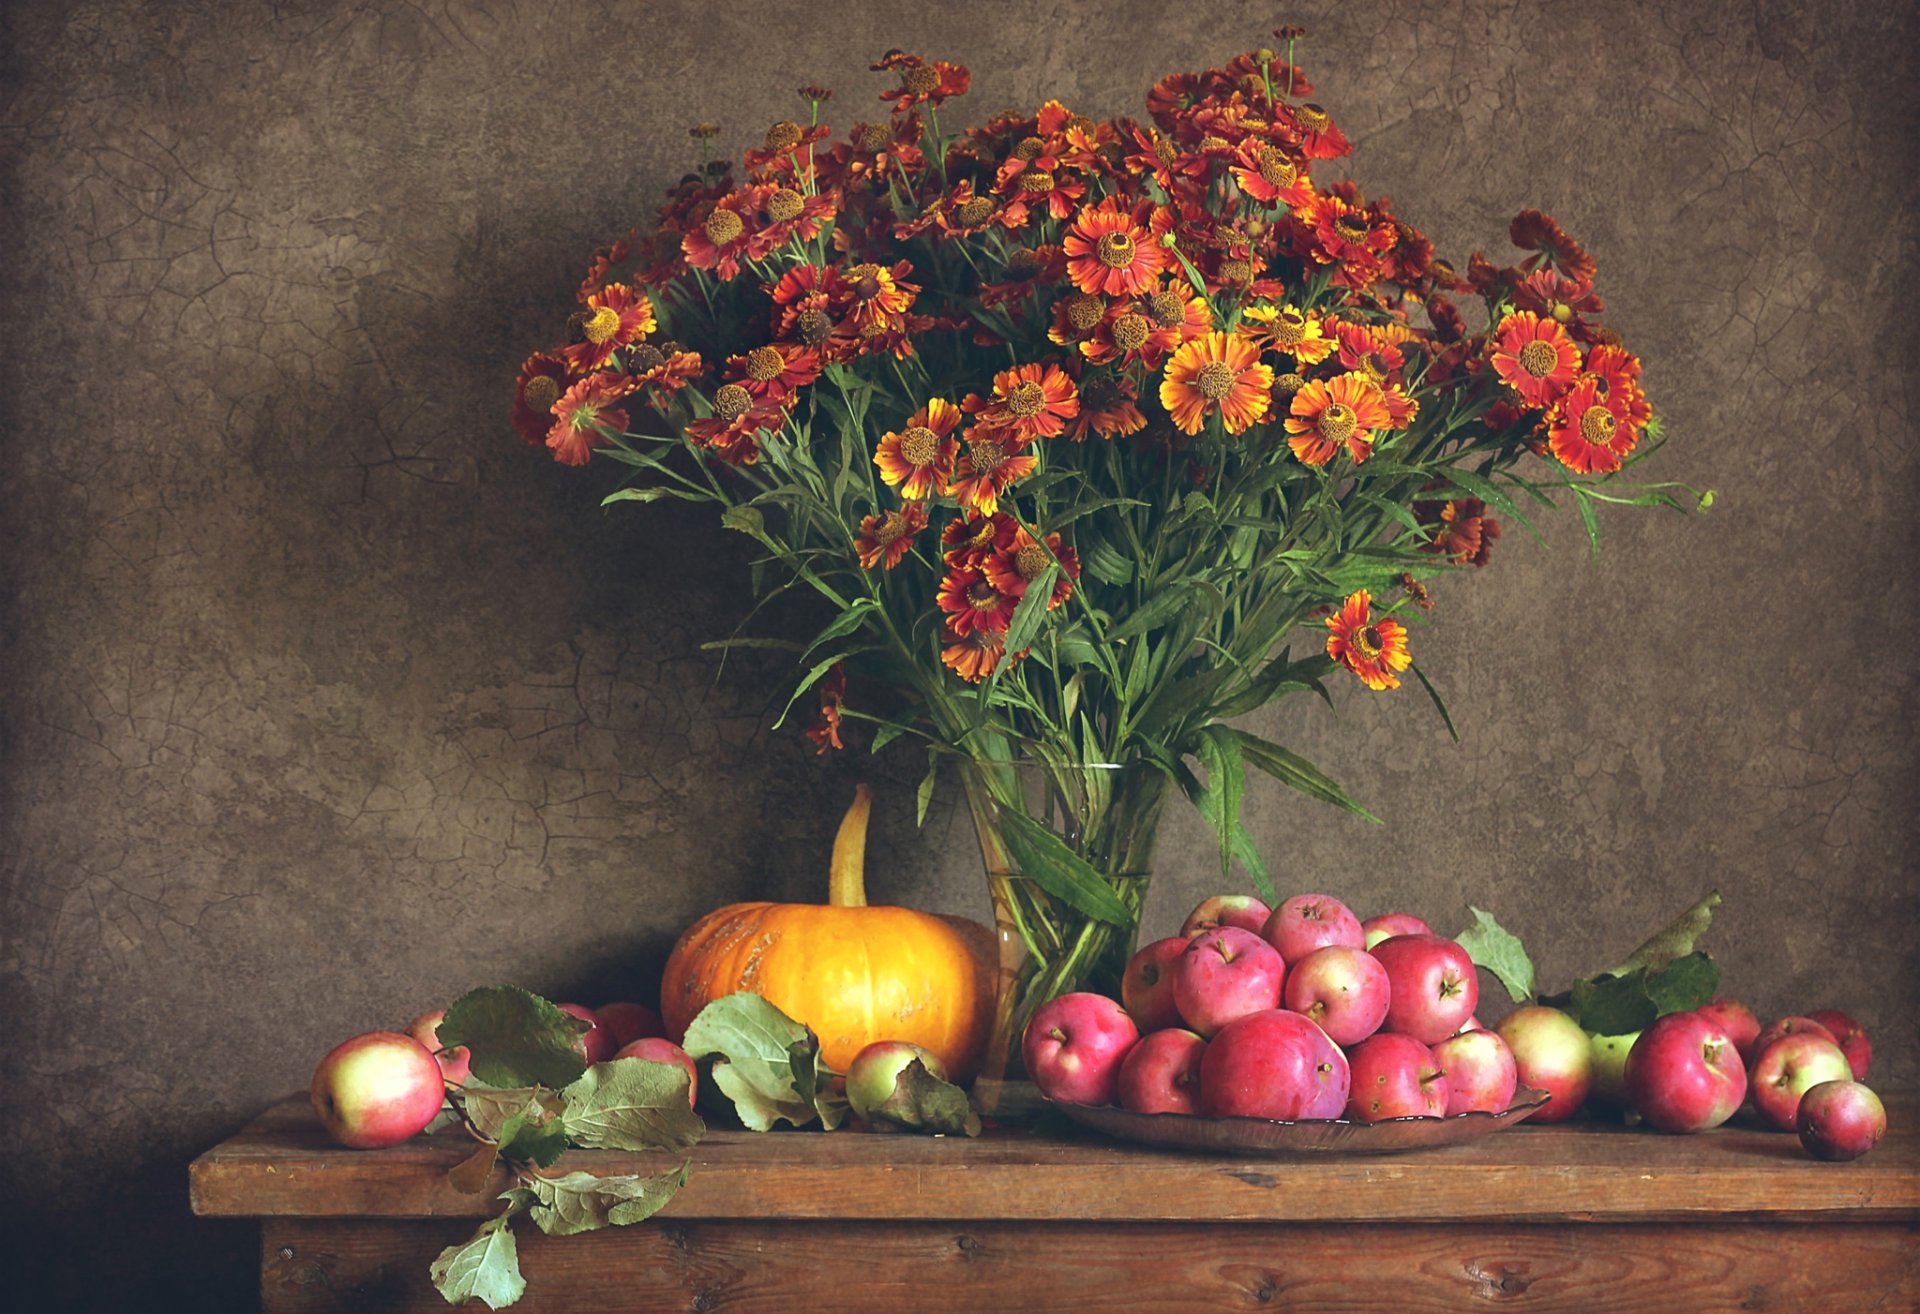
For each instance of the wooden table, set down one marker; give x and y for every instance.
(1580, 1219)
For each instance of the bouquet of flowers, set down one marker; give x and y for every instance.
(1095, 435)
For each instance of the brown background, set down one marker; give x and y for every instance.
(326, 700)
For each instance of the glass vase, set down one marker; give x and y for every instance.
(1105, 815)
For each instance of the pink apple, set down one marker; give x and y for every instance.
(1223, 974)
(1471, 1024)
(658, 1049)
(627, 1022)
(1789, 1068)
(454, 1062)
(1394, 1076)
(1273, 1064)
(1481, 1074)
(1737, 1020)
(1550, 1053)
(1851, 1037)
(1241, 910)
(1343, 989)
(377, 1089)
(1840, 1120)
(1146, 987)
(1387, 925)
(1161, 1074)
(875, 1071)
(1789, 1026)
(1684, 1074)
(1073, 1047)
(597, 1045)
(1432, 984)
(1312, 921)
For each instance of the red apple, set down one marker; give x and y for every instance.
(1343, 989)
(596, 1046)
(1789, 1068)
(1851, 1037)
(1550, 1053)
(377, 1089)
(1387, 925)
(1161, 1074)
(1241, 910)
(1840, 1120)
(875, 1070)
(1432, 983)
(1073, 1046)
(1146, 987)
(1273, 1064)
(1789, 1026)
(628, 1022)
(658, 1049)
(1312, 921)
(1394, 1076)
(1471, 1024)
(1684, 1074)
(1737, 1020)
(1223, 974)
(1481, 1074)
(454, 1062)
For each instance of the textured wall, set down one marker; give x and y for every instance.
(325, 699)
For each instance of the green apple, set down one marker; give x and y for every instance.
(1610, 1069)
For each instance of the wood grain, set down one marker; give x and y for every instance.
(1166, 1268)
(282, 1165)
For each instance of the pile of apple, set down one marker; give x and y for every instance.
(1305, 1012)
(383, 1087)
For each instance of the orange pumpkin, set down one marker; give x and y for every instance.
(854, 972)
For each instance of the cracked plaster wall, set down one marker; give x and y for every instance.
(325, 700)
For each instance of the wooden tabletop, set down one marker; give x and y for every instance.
(282, 1165)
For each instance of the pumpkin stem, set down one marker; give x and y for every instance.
(847, 876)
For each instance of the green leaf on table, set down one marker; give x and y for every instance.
(516, 1038)
(1499, 950)
(1684, 984)
(1609, 1005)
(486, 1268)
(631, 1104)
(489, 1109)
(922, 1102)
(764, 1061)
(534, 1136)
(473, 1174)
(1674, 940)
(581, 1202)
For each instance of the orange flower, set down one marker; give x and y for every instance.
(1372, 650)
(1464, 532)
(919, 458)
(974, 655)
(1217, 369)
(542, 380)
(1535, 357)
(584, 417)
(615, 317)
(825, 733)
(967, 542)
(888, 537)
(732, 432)
(973, 602)
(1025, 560)
(729, 234)
(1619, 373)
(986, 469)
(1109, 254)
(1327, 415)
(775, 371)
(1028, 402)
(1285, 331)
(1589, 431)
(1107, 408)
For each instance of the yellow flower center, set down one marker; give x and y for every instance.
(919, 446)
(1538, 358)
(867, 280)
(1236, 271)
(974, 212)
(1277, 170)
(891, 529)
(1164, 150)
(1115, 250)
(873, 137)
(1215, 380)
(922, 79)
(985, 455)
(1367, 641)
(1028, 147)
(1210, 142)
(1289, 328)
(1026, 399)
(1353, 227)
(783, 136)
(1083, 312)
(1031, 560)
(542, 391)
(1597, 425)
(785, 204)
(1167, 308)
(1130, 331)
(765, 363)
(1036, 182)
(815, 327)
(1337, 422)
(1313, 118)
(1374, 366)
(982, 595)
(1288, 384)
(723, 226)
(602, 324)
(730, 401)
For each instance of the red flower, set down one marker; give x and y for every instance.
(1024, 560)
(1111, 254)
(729, 234)
(775, 371)
(922, 82)
(825, 733)
(972, 602)
(585, 417)
(975, 655)
(1029, 401)
(1588, 429)
(1372, 650)
(542, 379)
(732, 432)
(986, 469)
(886, 538)
(1535, 357)
(1107, 408)
(919, 457)
(1534, 231)
(615, 317)
(1462, 531)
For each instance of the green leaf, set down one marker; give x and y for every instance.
(531, 1137)
(1609, 1005)
(652, 493)
(812, 678)
(1499, 950)
(845, 623)
(924, 795)
(632, 1104)
(1032, 610)
(1674, 940)
(516, 1037)
(744, 519)
(1294, 771)
(490, 1110)
(1439, 704)
(764, 1060)
(1218, 749)
(885, 733)
(581, 1202)
(1684, 984)
(922, 1102)
(1162, 607)
(1104, 562)
(486, 1268)
(1585, 505)
(1044, 858)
